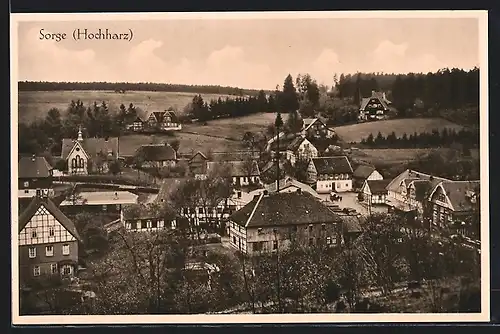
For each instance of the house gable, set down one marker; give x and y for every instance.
(44, 228)
(77, 148)
(366, 188)
(435, 197)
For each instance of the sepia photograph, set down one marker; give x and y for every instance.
(249, 167)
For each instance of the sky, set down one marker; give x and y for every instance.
(252, 53)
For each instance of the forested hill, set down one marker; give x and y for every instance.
(127, 86)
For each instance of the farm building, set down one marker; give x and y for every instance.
(243, 173)
(34, 177)
(288, 185)
(157, 155)
(374, 191)
(363, 173)
(315, 128)
(198, 165)
(295, 148)
(330, 174)
(156, 121)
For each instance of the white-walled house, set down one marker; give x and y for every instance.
(315, 128)
(243, 173)
(364, 173)
(330, 174)
(375, 192)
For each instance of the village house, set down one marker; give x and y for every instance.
(374, 107)
(273, 221)
(315, 128)
(295, 148)
(156, 155)
(34, 177)
(86, 155)
(48, 242)
(108, 203)
(454, 204)
(364, 173)
(329, 174)
(374, 192)
(409, 191)
(242, 172)
(151, 121)
(148, 224)
(288, 185)
(198, 165)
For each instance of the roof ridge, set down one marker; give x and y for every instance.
(254, 209)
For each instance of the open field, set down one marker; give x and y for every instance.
(36, 104)
(356, 132)
(232, 128)
(394, 156)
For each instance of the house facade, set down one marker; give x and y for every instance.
(374, 107)
(409, 190)
(151, 121)
(300, 149)
(454, 204)
(364, 173)
(329, 174)
(274, 221)
(34, 177)
(242, 172)
(157, 155)
(375, 192)
(86, 155)
(148, 224)
(315, 128)
(48, 242)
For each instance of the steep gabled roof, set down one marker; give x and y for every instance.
(32, 208)
(291, 182)
(173, 116)
(332, 165)
(236, 167)
(378, 186)
(92, 146)
(363, 171)
(200, 154)
(411, 175)
(157, 152)
(375, 95)
(295, 144)
(457, 192)
(33, 167)
(282, 209)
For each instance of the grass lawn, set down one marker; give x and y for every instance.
(356, 132)
(233, 128)
(36, 104)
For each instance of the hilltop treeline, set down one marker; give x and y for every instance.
(121, 87)
(447, 88)
(469, 138)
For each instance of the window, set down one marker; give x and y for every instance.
(77, 162)
(49, 250)
(200, 211)
(33, 233)
(26, 191)
(173, 224)
(36, 271)
(154, 224)
(239, 194)
(310, 228)
(26, 184)
(32, 252)
(51, 231)
(275, 244)
(65, 249)
(104, 207)
(138, 226)
(328, 240)
(53, 268)
(128, 226)
(294, 228)
(259, 231)
(148, 224)
(323, 227)
(67, 270)
(234, 240)
(185, 211)
(117, 207)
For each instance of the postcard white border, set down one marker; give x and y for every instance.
(482, 17)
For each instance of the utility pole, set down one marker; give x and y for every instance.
(278, 124)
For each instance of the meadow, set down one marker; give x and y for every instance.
(36, 104)
(354, 133)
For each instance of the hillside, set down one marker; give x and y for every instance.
(355, 132)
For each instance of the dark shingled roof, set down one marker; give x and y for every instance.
(157, 152)
(281, 209)
(237, 167)
(92, 146)
(458, 191)
(294, 145)
(33, 167)
(332, 165)
(32, 208)
(363, 171)
(378, 186)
